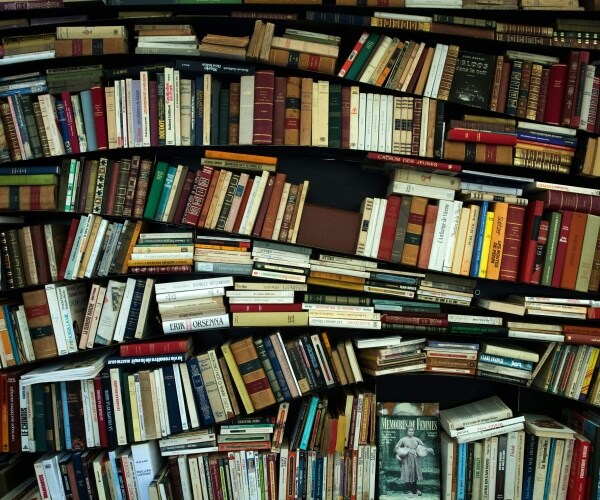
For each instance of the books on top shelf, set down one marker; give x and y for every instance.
(166, 39)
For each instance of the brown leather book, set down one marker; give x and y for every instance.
(264, 88)
(279, 110)
(291, 127)
(39, 322)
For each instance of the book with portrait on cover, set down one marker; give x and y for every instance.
(408, 443)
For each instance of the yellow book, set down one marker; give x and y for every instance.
(339, 441)
(135, 415)
(497, 240)
(485, 249)
(461, 238)
(237, 377)
(277, 318)
(136, 233)
(154, 262)
(334, 283)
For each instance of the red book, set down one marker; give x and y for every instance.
(540, 252)
(543, 97)
(582, 339)
(579, 468)
(184, 196)
(416, 73)
(345, 118)
(530, 237)
(353, 53)
(556, 91)
(465, 135)
(427, 239)
(83, 187)
(573, 251)
(503, 90)
(262, 209)
(40, 253)
(100, 117)
(561, 247)
(512, 243)
(102, 423)
(568, 102)
(67, 250)
(560, 200)
(208, 197)
(197, 195)
(593, 313)
(153, 106)
(241, 308)
(593, 116)
(243, 203)
(388, 231)
(112, 187)
(584, 59)
(70, 118)
(274, 200)
(384, 160)
(279, 110)
(174, 346)
(584, 330)
(264, 88)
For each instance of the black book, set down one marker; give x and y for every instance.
(314, 362)
(225, 68)
(299, 423)
(79, 475)
(134, 314)
(108, 408)
(200, 395)
(48, 418)
(126, 401)
(472, 79)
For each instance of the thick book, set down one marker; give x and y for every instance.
(472, 79)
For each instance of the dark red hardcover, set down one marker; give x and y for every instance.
(100, 117)
(264, 88)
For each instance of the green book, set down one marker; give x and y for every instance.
(34, 137)
(555, 219)
(156, 189)
(126, 400)
(362, 56)
(28, 180)
(335, 115)
(166, 191)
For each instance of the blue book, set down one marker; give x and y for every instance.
(136, 91)
(200, 395)
(310, 418)
(172, 402)
(65, 410)
(28, 170)
(483, 209)
(166, 190)
(549, 467)
(62, 126)
(11, 334)
(545, 138)
(277, 368)
(115, 473)
(461, 472)
(531, 442)
(318, 475)
(301, 474)
(87, 108)
(314, 362)
(40, 88)
(199, 110)
(79, 474)
(510, 362)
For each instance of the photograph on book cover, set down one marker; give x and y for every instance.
(408, 463)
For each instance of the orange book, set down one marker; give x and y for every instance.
(497, 243)
(136, 232)
(414, 231)
(226, 155)
(573, 252)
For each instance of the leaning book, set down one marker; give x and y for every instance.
(408, 450)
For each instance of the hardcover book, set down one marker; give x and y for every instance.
(409, 450)
(472, 80)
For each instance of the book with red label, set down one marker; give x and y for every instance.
(584, 59)
(100, 117)
(561, 200)
(279, 111)
(241, 308)
(100, 413)
(153, 109)
(536, 276)
(512, 243)
(264, 88)
(568, 102)
(457, 134)
(557, 83)
(530, 236)
(70, 119)
(171, 346)
(388, 231)
(353, 53)
(573, 251)
(579, 467)
(67, 249)
(197, 195)
(381, 161)
(561, 247)
(543, 97)
(414, 231)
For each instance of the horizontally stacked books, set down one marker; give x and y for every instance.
(90, 40)
(172, 39)
(36, 186)
(222, 46)
(156, 250)
(17, 49)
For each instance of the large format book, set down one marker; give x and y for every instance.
(408, 443)
(472, 80)
(478, 412)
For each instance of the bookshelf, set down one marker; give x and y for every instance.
(339, 177)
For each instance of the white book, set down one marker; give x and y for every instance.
(389, 125)
(196, 284)
(124, 124)
(87, 413)
(110, 312)
(170, 124)
(439, 71)
(314, 115)
(55, 315)
(322, 128)
(93, 327)
(437, 193)
(254, 204)
(544, 127)
(354, 116)
(450, 241)
(145, 93)
(378, 228)
(25, 334)
(146, 463)
(185, 120)
(362, 111)
(184, 473)
(493, 466)
(447, 455)
(206, 116)
(72, 304)
(53, 476)
(189, 395)
(117, 400)
(118, 115)
(368, 121)
(142, 321)
(95, 253)
(190, 294)
(246, 109)
(424, 126)
(563, 481)
(121, 322)
(161, 399)
(438, 250)
(375, 122)
(130, 114)
(371, 230)
(180, 397)
(541, 468)
(177, 106)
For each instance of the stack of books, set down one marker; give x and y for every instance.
(90, 40)
(35, 188)
(193, 305)
(266, 304)
(451, 357)
(26, 83)
(553, 306)
(156, 250)
(194, 442)
(575, 33)
(483, 186)
(222, 46)
(248, 433)
(274, 260)
(545, 147)
(178, 39)
(406, 356)
(27, 48)
(512, 363)
(74, 79)
(535, 331)
(222, 254)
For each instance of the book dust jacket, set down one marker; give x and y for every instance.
(408, 442)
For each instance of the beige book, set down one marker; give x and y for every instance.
(354, 105)
(169, 110)
(220, 193)
(281, 210)
(246, 109)
(588, 249)
(396, 79)
(220, 381)
(426, 179)
(118, 410)
(431, 127)
(111, 120)
(377, 56)
(87, 252)
(319, 49)
(467, 255)
(145, 104)
(461, 238)
(366, 210)
(253, 205)
(96, 317)
(306, 112)
(298, 318)
(265, 47)
(397, 110)
(255, 43)
(26, 246)
(87, 32)
(384, 60)
(206, 116)
(48, 110)
(177, 105)
(294, 233)
(315, 114)
(411, 66)
(178, 183)
(323, 114)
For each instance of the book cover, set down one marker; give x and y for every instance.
(408, 461)
(472, 79)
